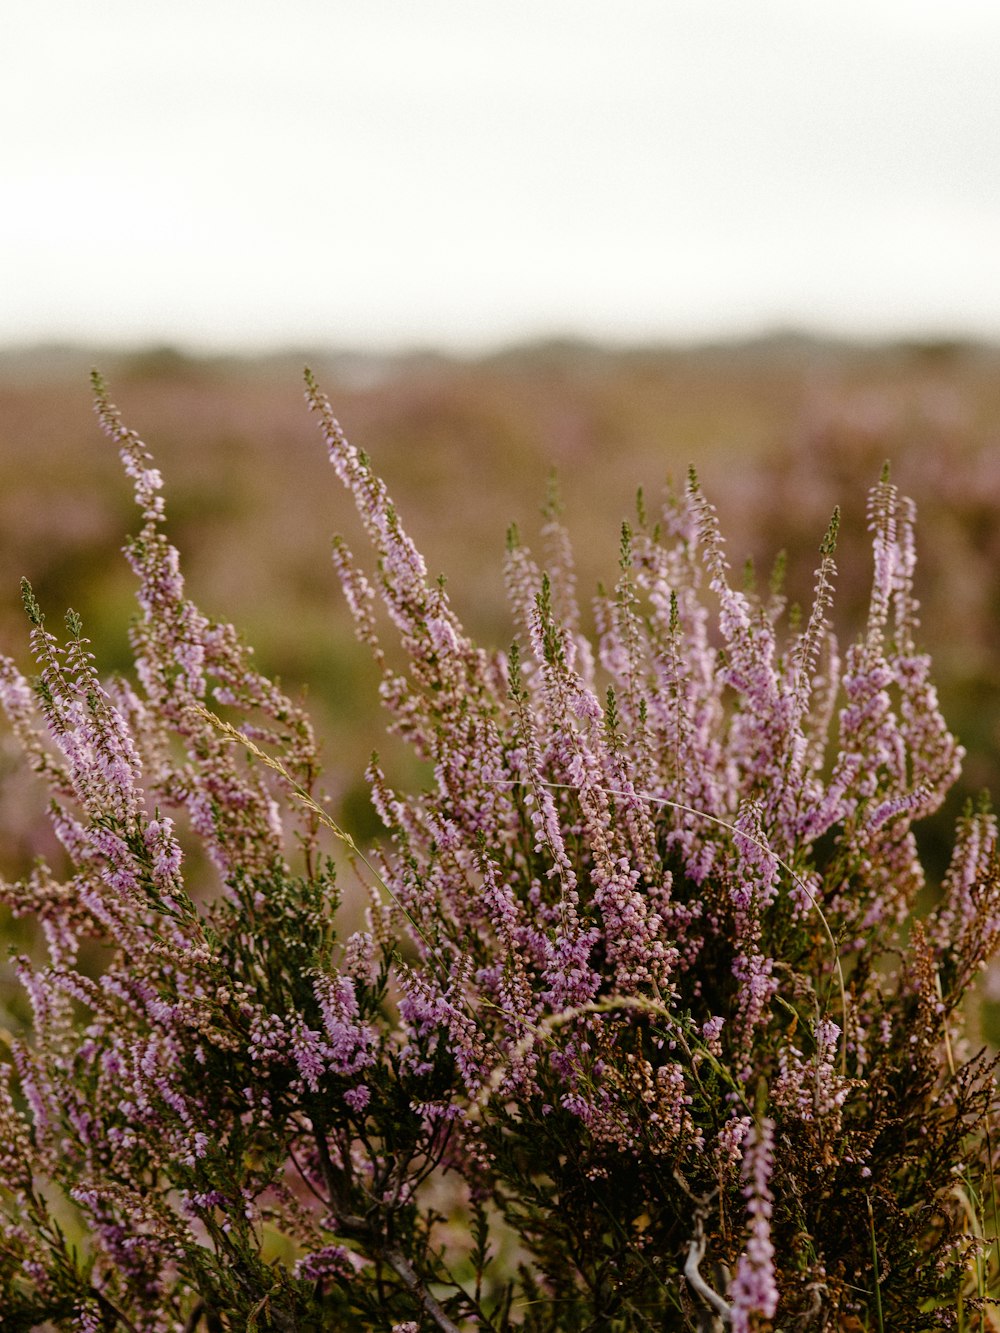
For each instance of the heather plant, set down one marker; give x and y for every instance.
(649, 1025)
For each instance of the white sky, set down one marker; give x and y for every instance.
(241, 173)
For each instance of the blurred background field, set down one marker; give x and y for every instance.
(780, 429)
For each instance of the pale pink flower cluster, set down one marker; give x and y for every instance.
(753, 1290)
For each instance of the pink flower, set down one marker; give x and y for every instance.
(753, 1289)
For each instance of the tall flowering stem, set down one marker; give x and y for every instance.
(753, 1290)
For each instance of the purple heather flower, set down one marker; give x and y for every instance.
(581, 868)
(332, 1261)
(753, 1289)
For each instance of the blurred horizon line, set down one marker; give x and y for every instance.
(781, 341)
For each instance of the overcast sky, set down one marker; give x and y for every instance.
(249, 173)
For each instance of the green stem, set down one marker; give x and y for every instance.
(875, 1267)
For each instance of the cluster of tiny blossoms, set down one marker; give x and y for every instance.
(633, 1033)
